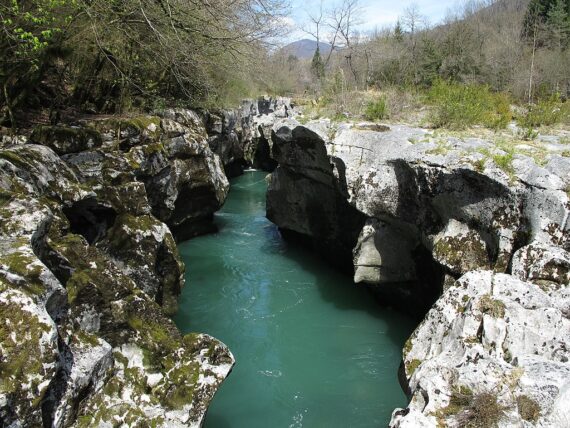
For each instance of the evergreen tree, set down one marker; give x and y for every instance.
(558, 24)
(398, 32)
(317, 65)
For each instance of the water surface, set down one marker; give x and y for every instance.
(312, 348)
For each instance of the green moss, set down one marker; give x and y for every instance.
(412, 366)
(528, 408)
(86, 338)
(492, 307)
(23, 264)
(57, 135)
(12, 157)
(20, 340)
(152, 149)
(185, 377)
(155, 335)
(138, 125)
(77, 282)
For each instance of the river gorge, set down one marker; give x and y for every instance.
(104, 222)
(311, 349)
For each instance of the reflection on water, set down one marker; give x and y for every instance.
(312, 348)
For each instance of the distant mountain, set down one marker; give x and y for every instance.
(306, 48)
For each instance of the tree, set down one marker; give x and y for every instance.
(31, 36)
(122, 54)
(558, 22)
(317, 65)
(398, 32)
(343, 20)
(412, 21)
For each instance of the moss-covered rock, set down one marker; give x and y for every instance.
(29, 356)
(64, 140)
(158, 270)
(74, 233)
(460, 249)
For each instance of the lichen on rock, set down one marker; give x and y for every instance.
(88, 275)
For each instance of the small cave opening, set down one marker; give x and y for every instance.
(90, 219)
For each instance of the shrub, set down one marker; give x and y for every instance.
(473, 410)
(528, 408)
(546, 112)
(493, 307)
(458, 106)
(376, 110)
(484, 411)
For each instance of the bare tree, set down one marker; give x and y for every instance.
(343, 20)
(413, 21)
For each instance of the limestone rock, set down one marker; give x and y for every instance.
(64, 140)
(74, 233)
(542, 264)
(305, 197)
(459, 248)
(383, 255)
(491, 350)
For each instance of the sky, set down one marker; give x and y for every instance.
(375, 13)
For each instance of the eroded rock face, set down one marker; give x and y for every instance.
(447, 197)
(242, 137)
(88, 274)
(452, 216)
(491, 352)
(306, 196)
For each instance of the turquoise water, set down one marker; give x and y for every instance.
(312, 349)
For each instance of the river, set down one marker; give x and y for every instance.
(312, 348)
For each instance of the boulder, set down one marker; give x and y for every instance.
(491, 352)
(87, 277)
(458, 199)
(542, 264)
(64, 140)
(305, 196)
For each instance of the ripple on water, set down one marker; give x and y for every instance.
(312, 349)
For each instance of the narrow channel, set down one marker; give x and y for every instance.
(312, 348)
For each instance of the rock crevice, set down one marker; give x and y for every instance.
(431, 220)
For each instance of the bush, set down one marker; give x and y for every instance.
(545, 113)
(376, 110)
(458, 106)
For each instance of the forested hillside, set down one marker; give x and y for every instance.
(516, 49)
(114, 56)
(119, 56)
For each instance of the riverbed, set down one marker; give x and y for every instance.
(312, 348)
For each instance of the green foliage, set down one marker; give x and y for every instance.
(458, 106)
(376, 110)
(317, 65)
(473, 410)
(112, 56)
(546, 112)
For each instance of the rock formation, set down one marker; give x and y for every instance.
(89, 270)
(484, 229)
(242, 137)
